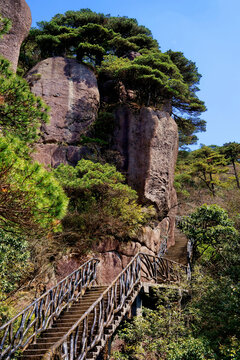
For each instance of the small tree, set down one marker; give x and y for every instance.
(212, 231)
(231, 152)
(206, 165)
(31, 199)
(101, 205)
(5, 25)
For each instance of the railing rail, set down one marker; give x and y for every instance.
(162, 270)
(38, 316)
(90, 328)
(85, 334)
(81, 338)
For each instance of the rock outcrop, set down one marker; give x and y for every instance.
(145, 140)
(20, 15)
(148, 143)
(70, 89)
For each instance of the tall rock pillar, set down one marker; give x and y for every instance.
(20, 15)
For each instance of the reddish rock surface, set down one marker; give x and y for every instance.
(20, 15)
(70, 89)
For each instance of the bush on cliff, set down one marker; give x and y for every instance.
(5, 25)
(101, 205)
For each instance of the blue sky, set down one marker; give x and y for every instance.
(206, 31)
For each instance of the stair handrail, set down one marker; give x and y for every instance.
(40, 314)
(162, 268)
(66, 347)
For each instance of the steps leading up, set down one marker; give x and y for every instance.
(85, 339)
(64, 323)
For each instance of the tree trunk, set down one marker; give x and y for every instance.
(236, 174)
(212, 185)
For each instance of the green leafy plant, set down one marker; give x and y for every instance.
(101, 205)
(5, 26)
(105, 43)
(31, 199)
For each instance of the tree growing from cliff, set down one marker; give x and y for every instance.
(158, 79)
(5, 25)
(101, 205)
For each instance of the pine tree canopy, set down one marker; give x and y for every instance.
(31, 199)
(104, 42)
(5, 25)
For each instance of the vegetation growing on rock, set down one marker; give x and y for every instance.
(101, 205)
(203, 324)
(106, 43)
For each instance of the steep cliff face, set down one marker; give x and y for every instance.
(148, 143)
(20, 15)
(70, 89)
(146, 140)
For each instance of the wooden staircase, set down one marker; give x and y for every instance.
(75, 319)
(63, 324)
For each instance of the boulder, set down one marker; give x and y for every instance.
(20, 15)
(70, 89)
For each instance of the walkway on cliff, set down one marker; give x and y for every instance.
(178, 252)
(76, 318)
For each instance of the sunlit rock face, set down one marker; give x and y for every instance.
(20, 15)
(71, 91)
(148, 143)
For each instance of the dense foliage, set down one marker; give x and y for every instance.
(30, 197)
(205, 325)
(14, 257)
(212, 167)
(101, 205)
(158, 79)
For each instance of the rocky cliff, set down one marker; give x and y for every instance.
(20, 15)
(146, 140)
(70, 89)
(148, 143)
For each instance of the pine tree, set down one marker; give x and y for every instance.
(105, 42)
(31, 200)
(231, 152)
